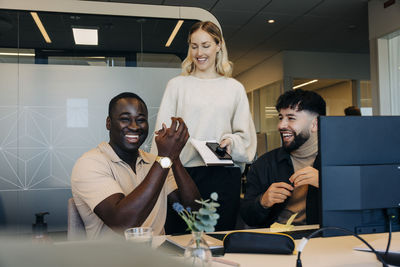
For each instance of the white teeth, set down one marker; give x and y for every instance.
(132, 136)
(286, 135)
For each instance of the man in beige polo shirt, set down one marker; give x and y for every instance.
(116, 185)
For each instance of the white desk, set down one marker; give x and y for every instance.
(321, 252)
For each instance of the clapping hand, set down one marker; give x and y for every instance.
(170, 141)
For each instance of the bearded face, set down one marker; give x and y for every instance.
(295, 127)
(292, 141)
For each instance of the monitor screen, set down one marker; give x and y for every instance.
(360, 173)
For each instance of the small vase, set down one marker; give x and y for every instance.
(197, 252)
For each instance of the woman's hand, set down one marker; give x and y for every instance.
(228, 144)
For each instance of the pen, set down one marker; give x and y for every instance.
(227, 262)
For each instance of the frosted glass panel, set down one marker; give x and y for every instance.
(50, 116)
(60, 114)
(77, 113)
(268, 114)
(54, 99)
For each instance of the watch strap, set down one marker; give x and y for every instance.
(162, 160)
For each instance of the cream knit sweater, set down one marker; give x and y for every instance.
(213, 109)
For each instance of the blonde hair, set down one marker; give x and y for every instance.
(222, 64)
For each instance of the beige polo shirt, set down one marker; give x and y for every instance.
(100, 173)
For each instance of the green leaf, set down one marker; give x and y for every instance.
(214, 196)
(206, 220)
(214, 216)
(209, 229)
(214, 204)
(199, 226)
(211, 205)
(204, 211)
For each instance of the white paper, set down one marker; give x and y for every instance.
(207, 155)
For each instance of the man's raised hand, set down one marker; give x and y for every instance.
(170, 141)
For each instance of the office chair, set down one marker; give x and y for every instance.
(261, 149)
(76, 227)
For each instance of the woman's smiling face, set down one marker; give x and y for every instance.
(203, 50)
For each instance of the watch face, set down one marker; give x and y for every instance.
(165, 162)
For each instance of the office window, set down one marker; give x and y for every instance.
(121, 40)
(394, 72)
(268, 114)
(365, 94)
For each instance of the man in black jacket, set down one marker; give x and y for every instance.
(284, 181)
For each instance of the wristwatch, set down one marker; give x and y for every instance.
(165, 162)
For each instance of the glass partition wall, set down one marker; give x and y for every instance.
(54, 99)
(262, 104)
(338, 94)
(394, 71)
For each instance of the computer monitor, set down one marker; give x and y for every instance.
(360, 173)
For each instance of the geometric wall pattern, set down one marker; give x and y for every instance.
(49, 116)
(38, 145)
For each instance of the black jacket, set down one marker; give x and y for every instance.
(272, 167)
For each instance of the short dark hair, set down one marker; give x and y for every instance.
(300, 99)
(352, 111)
(115, 99)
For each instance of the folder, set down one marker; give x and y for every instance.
(209, 158)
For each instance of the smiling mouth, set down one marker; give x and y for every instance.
(132, 138)
(286, 136)
(201, 60)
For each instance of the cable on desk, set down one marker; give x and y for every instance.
(391, 214)
(304, 241)
(390, 237)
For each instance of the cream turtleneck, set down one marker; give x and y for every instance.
(302, 157)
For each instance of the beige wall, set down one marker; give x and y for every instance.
(337, 98)
(382, 20)
(268, 72)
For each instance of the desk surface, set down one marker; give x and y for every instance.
(321, 252)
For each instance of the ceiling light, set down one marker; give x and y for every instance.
(174, 32)
(304, 84)
(39, 24)
(96, 57)
(85, 36)
(17, 54)
(271, 21)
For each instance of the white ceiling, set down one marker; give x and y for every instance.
(303, 25)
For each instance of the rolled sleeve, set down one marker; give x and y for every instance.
(92, 181)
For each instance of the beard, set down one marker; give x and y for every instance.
(298, 141)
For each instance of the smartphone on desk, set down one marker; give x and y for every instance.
(213, 147)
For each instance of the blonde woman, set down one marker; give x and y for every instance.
(214, 106)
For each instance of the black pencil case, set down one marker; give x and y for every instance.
(256, 242)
